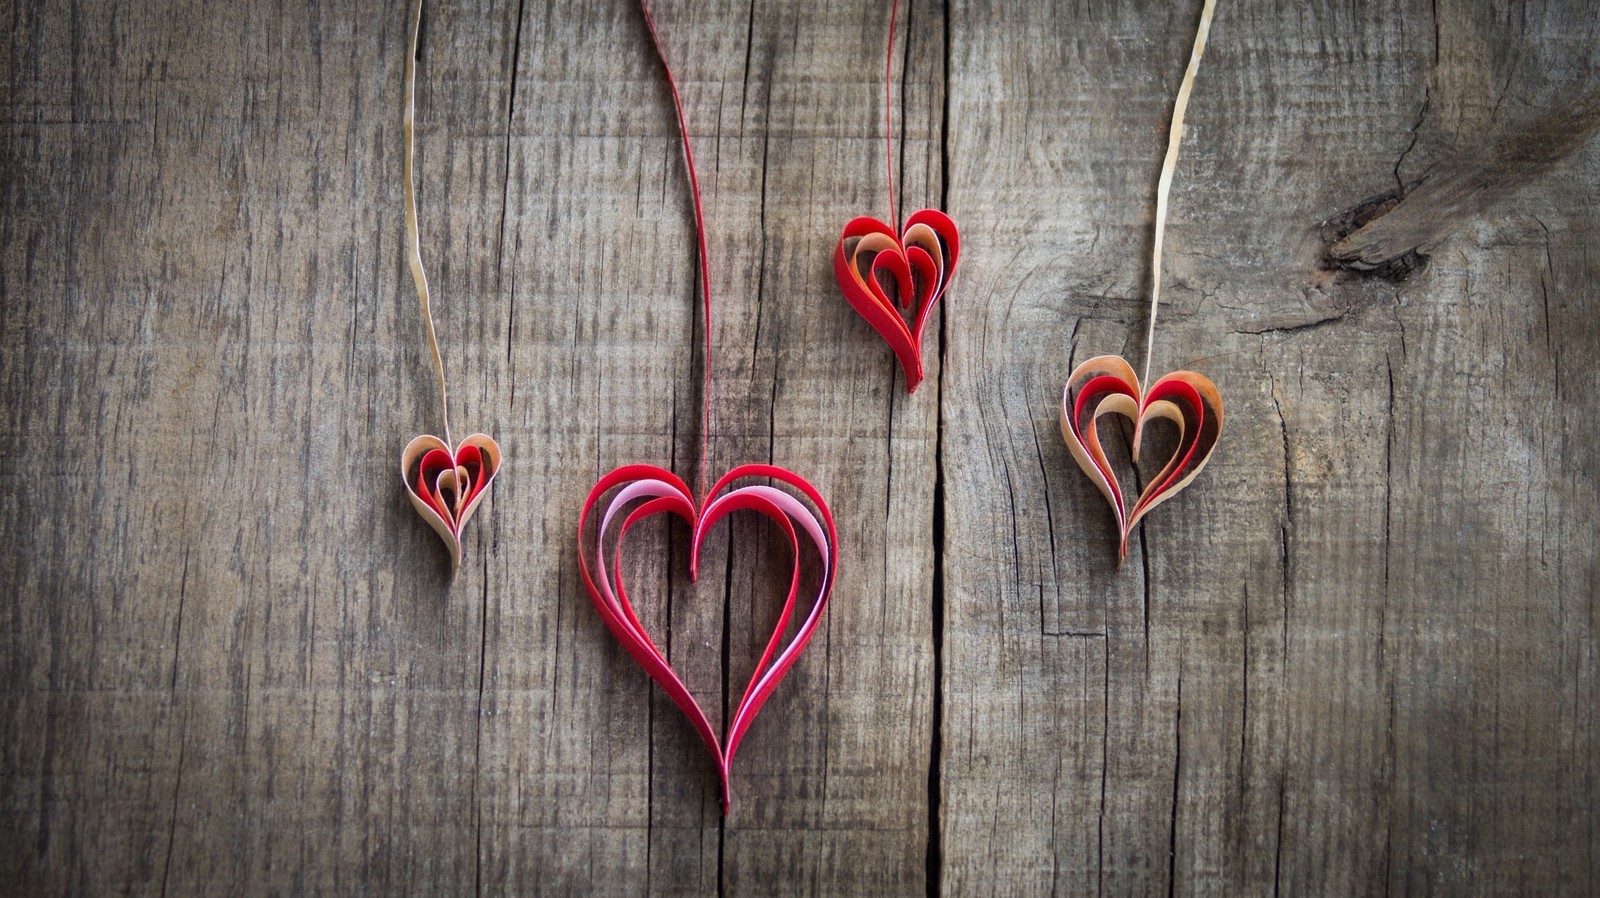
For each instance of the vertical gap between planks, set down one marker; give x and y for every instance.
(935, 851)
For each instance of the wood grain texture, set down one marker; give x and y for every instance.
(1464, 188)
(1359, 656)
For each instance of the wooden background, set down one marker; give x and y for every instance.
(1359, 656)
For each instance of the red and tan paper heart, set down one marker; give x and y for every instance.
(446, 486)
(661, 492)
(445, 482)
(1106, 385)
(920, 262)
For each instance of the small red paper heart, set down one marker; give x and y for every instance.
(660, 491)
(921, 261)
(1107, 384)
(446, 486)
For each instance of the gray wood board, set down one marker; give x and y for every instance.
(1358, 656)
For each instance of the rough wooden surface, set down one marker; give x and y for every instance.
(1359, 656)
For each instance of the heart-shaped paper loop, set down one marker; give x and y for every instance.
(660, 491)
(1107, 384)
(921, 262)
(446, 486)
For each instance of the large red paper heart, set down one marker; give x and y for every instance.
(446, 485)
(1107, 384)
(921, 262)
(660, 491)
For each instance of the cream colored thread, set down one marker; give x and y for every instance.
(413, 240)
(1164, 186)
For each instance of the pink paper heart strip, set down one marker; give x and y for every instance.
(659, 491)
(446, 485)
(1107, 384)
(921, 262)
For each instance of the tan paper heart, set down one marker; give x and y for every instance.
(1106, 385)
(446, 485)
(445, 482)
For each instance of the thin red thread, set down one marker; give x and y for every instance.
(888, 112)
(700, 237)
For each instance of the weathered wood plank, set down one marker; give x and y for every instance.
(1293, 686)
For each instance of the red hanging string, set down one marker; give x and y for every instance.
(888, 111)
(700, 238)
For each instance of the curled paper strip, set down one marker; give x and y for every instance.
(1107, 384)
(661, 491)
(921, 262)
(446, 485)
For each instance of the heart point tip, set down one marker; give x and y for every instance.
(725, 784)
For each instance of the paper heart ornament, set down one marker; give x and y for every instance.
(446, 486)
(920, 263)
(1107, 384)
(659, 491)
